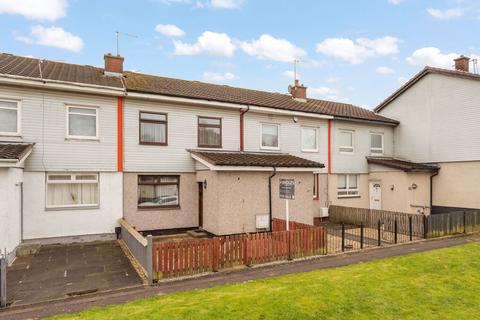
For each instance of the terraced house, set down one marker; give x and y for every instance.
(83, 146)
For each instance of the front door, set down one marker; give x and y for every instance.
(375, 195)
(200, 204)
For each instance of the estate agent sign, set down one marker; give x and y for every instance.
(287, 189)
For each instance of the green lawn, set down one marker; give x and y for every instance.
(441, 284)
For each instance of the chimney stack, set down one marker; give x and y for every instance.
(298, 92)
(113, 64)
(461, 63)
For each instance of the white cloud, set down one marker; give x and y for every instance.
(53, 37)
(226, 4)
(212, 43)
(445, 14)
(34, 9)
(322, 91)
(395, 2)
(385, 70)
(218, 76)
(290, 74)
(268, 47)
(358, 51)
(402, 80)
(169, 30)
(169, 2)
(432, 56)
(333, 79)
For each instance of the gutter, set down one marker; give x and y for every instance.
(270, 214)
(60, 85)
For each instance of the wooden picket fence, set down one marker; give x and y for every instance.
(281, 225)
(189, 257)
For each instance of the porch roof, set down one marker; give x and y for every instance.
(239, 159)
(404, 165)
(13, 154)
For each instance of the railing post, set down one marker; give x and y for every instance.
(149, 249)
(343, 237)
(425, 227)
(216, 252)
(464, 222)
(410, 228)
(361, 235)
(395, 227)
(379, 231)
(3, 282)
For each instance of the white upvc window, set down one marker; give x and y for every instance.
(347, 185)
(270, 136)
(346, 140)
(376, 143)
(309, 139)
(10, 117)
(82, 122)
(67, 190)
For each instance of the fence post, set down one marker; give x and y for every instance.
(3, 282)
(149, 249)
(410, 228)
(464, 222)
(425, 227)
(379, 233)
(361, 235)
(289, 247)
(343, 237)
(246, 254)
(216, 252)
(395, 228)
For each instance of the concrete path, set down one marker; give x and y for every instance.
(66, 270)
(72, 305)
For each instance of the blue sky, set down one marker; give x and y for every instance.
(355, 51)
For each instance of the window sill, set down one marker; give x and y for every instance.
(270, 148)
(153, 144)
(310, 151)
(348, 197)
(72, 208)
(210, 147)
(82, 139)
(13, 135)
(347, 153)
(156, 208)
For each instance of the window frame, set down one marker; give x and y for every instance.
(209, 126)
(261, 136)
(316, 139)
(140, 120)
(382, 149)
(347, 187)
(159, 176)
(19, 117)
(97, 129)
(352, 147)
(74, 206)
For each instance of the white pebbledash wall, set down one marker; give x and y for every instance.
(10, 207)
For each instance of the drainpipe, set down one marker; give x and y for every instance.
(431, 190)
(242, 113)
(270, 196)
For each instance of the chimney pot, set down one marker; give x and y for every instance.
(113, 63)
(462, 63)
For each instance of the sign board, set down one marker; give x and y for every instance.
(287, 189)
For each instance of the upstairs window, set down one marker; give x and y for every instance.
(72, 190)
(270, 136)
(347, 185)
(209, 132)
(82, 122)
(309, 139)
(9, 117)
(376, 143)
(345, 141)
(153, 128)
(158, 191)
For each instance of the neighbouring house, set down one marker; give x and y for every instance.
(438, 111)
(96, 144)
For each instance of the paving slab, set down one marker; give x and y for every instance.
(61, 271)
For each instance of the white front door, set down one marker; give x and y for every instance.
(375, 195)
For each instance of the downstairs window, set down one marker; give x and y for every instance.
(158, 191)
(347, 185)
(72, 190)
